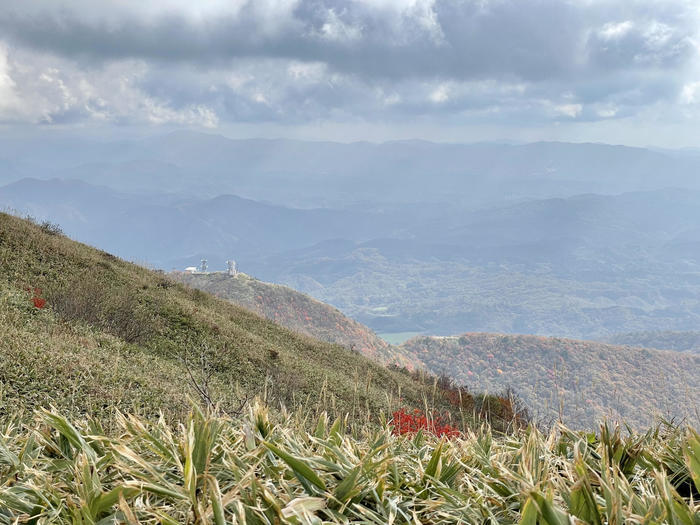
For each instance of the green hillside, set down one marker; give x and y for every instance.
(88, 333)
(298, 312)
(664, 340)
(582, 380)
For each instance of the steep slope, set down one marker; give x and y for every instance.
(662, 340)
(585, 380)
(89, 333)
(298, 312)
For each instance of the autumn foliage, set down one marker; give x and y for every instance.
(36, 298)
(411, 422)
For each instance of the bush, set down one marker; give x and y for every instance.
(411, 422)
(116, 310)
(51, 228)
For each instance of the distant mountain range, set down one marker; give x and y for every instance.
(165, 230)
(328, 174)
(576, 240)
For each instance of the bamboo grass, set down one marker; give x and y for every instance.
(269, 468)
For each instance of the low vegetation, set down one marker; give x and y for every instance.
(270, 469)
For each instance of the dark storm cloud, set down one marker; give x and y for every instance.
(533, 40)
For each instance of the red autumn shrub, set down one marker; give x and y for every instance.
(411, 422)
(39, 302)
(36, 298)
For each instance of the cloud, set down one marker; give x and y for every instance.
(461, 39)
(10, 103)
(208, 62)
(36, 89)
(440, 94)
(568, 110)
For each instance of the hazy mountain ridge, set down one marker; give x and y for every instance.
(165, 230)
(327, 173)
(663, 340)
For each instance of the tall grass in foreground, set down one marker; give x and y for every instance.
(265, 469)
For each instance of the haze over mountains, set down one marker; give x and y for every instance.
(314, 174)
(578, 240)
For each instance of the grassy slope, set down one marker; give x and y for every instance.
(664, 340)
(298, 312)
(591, 380)
(113, 334)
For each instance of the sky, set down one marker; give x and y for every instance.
(615, 71)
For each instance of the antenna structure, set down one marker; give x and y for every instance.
(232, 267)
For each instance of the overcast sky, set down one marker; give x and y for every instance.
(618, 71)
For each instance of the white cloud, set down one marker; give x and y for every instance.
(615, 30)
(10, 104)
(690, 93)
(55, 90)
(657, 34)
(568, 110)
(440, 94)
(335, 29)
(158, 114)
(607, 111)
(218, 62)
(307, 71)
(390, 100)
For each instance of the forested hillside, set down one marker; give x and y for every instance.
(580, 381)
